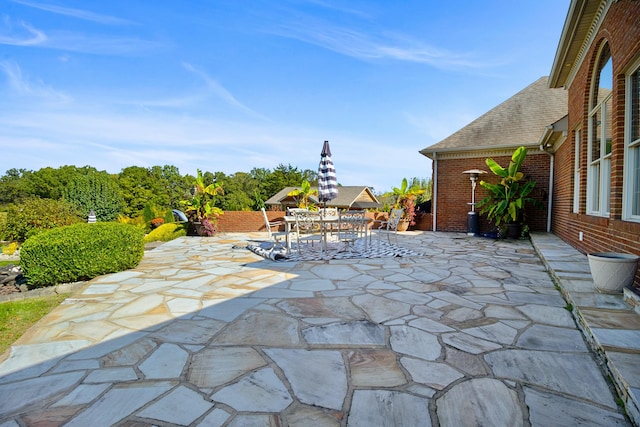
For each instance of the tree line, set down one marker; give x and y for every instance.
(134, 188)
(137, 188)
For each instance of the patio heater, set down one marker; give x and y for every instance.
(472, 215)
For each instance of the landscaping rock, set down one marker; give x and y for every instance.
(12, 280)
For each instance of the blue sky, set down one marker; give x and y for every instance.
(231, 85)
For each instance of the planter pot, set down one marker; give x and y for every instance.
(613, 271)
(197, 229)
(514, 231)
(403, 225)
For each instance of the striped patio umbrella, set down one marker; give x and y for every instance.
(327, 182)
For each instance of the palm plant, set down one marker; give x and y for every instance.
(506, 200)
(405, 197)
(304, 192)
(200, 207)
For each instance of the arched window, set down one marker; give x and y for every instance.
(600, 139)
(631, 194)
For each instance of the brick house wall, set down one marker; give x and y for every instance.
(454, 189)
(621, 29)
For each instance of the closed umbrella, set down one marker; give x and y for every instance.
(327, 182)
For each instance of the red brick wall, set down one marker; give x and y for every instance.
(621, 29)
(454, 190)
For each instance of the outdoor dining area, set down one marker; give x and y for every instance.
(330, 233)
(323, 232)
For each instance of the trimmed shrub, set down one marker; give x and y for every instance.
(167, 232)
(34, 215)
(10, 248)
(80, 252)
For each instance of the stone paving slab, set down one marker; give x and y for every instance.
(206, 333)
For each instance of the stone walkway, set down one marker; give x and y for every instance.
(473, 333)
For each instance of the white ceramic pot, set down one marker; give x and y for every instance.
(613, 271)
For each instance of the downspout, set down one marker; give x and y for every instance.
(550, 205)
(434, 196)
(552, 157)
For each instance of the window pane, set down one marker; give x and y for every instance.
(595, 137)
(595, 187)
(635, 180)
(607, 125)
(635, 106)
(606, 185)
(605, 78)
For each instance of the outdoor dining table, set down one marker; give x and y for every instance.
(325, 227)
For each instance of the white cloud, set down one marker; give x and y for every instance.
(75, 13)
(362, 45)
(23, 87)
(20, 34)
(221, 92)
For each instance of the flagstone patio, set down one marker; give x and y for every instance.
(205, 333)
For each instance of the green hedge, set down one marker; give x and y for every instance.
(80, 252)
(167, 232)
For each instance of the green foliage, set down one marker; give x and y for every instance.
(202, 203)
(303, 194)
(97, 191)
(148, 212)
(136, 222)
(80, 252)
(168, 216)
(3, 225)
(34, 215)
(167, 232)
(10, 248)
(50, 183)
(13, 185)
(506, 200)
(405, 197)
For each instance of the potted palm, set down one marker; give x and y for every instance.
(506, 201)
(200, 209)
(405, 197)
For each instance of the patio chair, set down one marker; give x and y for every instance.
(390, 225)
(352, 225)
(274, 236)
(308, 231)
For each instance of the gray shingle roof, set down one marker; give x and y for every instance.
(520, 120)
(348, 197)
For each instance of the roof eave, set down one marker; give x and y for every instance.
(560, 68)
(432, 153)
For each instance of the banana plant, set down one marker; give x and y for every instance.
(506, 200)
(305, 192)
(201, 205)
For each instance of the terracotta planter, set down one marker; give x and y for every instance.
(612, 271)
(403, 225)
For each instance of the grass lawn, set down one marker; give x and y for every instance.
(18, 316)
(3, 263)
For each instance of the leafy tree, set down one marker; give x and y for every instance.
(49, 183)
(34, 214)
(139, 186)
(13, 185)
(174, 186)
(97, 191)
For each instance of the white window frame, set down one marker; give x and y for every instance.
(631, 153)
(576, 171)
(598, 170)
